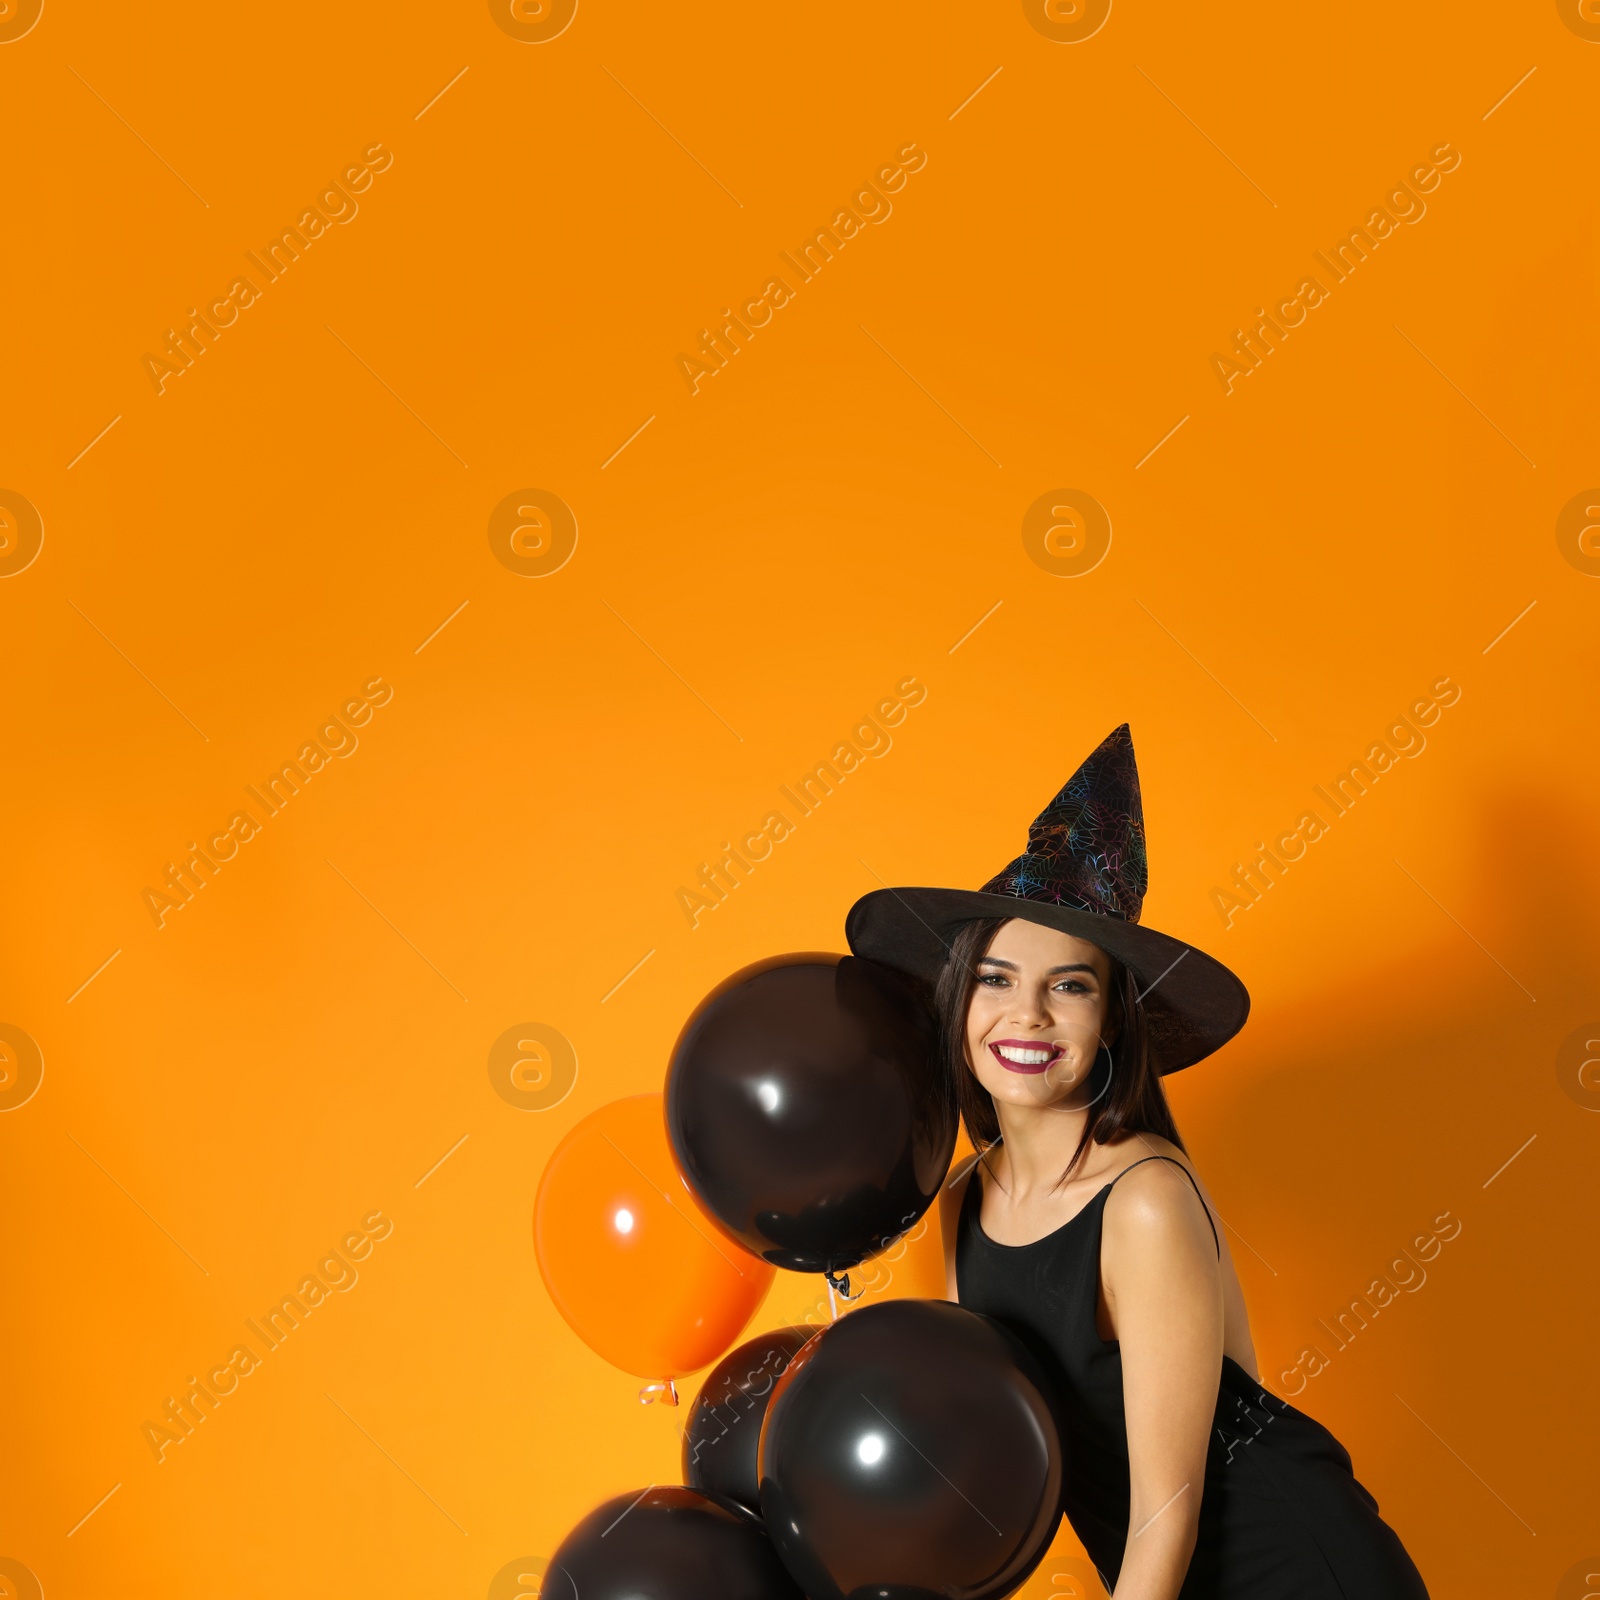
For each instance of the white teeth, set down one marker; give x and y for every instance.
(1023, 1057)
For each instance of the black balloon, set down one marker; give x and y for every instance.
(808, 1111)
(667, 1544)
(723, 1432)
(911, 1451)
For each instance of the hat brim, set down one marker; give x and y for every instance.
(1193, 1004)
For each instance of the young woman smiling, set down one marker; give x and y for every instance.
(1081, 1225)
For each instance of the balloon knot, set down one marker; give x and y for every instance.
(839, 1282)
(665, 1392)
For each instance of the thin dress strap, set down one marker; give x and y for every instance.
(1192, 1184)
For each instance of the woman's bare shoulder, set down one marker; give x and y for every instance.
(1157, 1195)
(1139, 1145)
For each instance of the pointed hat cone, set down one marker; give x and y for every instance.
(1083, 871)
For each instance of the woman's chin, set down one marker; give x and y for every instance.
(1029, 1089)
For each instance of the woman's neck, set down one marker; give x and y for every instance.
(1037, 1143)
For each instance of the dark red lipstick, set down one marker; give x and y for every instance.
(1027, 1056)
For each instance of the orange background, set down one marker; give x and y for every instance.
(302, 509)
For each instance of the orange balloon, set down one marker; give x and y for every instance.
(645, 1278)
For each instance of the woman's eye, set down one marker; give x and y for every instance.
(1073, 986)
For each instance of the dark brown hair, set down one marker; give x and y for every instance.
(1127, 1095)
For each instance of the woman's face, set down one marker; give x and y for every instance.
(1037, 1015)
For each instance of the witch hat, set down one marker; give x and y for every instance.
(1084, 872)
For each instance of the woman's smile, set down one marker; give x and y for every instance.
(1025, 1055)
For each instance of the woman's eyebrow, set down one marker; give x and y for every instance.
(1011, 966)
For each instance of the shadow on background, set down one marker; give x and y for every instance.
(1342, 1127)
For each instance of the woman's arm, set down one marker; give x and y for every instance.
(1237, 1340)
(950, 1198)
(1163, 1288)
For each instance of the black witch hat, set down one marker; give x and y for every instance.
(1083, 872)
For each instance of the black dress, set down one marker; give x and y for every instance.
(1281, 1516)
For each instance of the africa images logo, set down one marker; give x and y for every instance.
(1402, 204)
(335, 1273)
(336, 203)
(870, 203)
(336, 738)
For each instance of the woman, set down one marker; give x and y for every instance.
(1081, 1225)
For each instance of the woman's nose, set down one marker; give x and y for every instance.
(1028, 1008)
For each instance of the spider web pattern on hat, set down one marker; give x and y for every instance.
(1086, 848)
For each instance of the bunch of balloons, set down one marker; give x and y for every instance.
(906, 1450)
